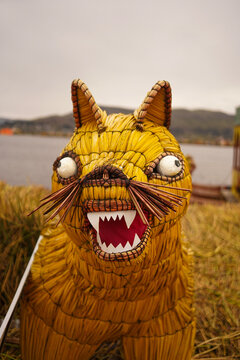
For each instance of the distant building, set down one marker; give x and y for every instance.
(236, 156)
(6, 131)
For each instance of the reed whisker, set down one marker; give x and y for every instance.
(158, 193)
(159, 190)
(149, 205)
(164, 186)
(158, 201)
(69, 205)
(137, 206)
(61, 199)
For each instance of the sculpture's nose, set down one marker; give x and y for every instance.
(106, 172)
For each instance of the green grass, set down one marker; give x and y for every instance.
(213, 233)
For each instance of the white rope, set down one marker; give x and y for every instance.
(7, 320)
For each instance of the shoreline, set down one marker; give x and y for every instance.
(27, 160)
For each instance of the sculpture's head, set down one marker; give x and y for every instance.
(106, 181)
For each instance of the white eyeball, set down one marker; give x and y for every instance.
(67, 167)
(169, 166)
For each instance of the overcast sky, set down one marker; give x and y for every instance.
(120, 49)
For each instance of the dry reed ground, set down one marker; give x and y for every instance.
(213, 233)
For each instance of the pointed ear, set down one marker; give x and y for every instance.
(156, 106)
(85, 108)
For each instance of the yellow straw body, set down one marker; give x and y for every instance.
(74, 300)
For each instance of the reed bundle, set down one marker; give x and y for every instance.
(61, 199)
(157, 201)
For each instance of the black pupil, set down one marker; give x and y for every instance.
(177, 163)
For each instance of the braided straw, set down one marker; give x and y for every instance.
(156, 106)
(79, 296)
(85, 108)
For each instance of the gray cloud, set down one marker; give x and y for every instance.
(120, 49)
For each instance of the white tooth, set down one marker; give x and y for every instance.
(136, 241)
(127, 247)
(93, 218)
(99, 239)
(119, 248)
(102, 245)
(108, 215)
(114, 214)
(129, 217)
(110, 249)
(120, 214)
(102, 215)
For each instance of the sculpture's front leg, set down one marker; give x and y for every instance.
(41, 342)
(177, 346)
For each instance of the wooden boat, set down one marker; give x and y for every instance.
(211, 193)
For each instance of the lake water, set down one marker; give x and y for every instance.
(27, 159)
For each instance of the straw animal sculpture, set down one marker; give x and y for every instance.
(112, 263)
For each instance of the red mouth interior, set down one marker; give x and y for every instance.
(115, 232)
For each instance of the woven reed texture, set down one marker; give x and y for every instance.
(74, 299)
(156, 106)
(84, 105)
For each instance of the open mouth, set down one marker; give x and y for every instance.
(118, 235)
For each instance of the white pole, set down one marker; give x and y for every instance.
(8, 317)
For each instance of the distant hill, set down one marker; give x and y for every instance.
(54, 124)
(3, 120)
(187, 125)
(205, 124)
